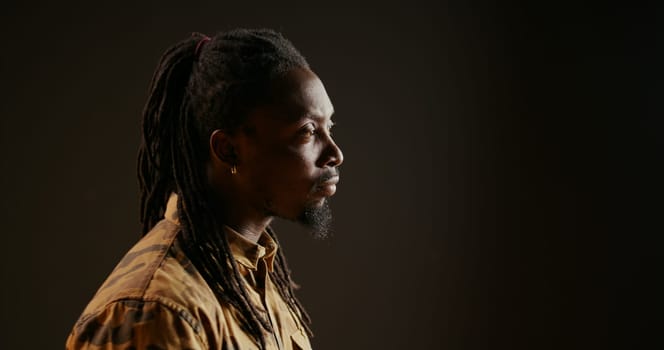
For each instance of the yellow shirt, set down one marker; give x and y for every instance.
(156, 299)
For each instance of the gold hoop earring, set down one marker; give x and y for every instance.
(234, 169)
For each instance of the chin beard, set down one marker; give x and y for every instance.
(318, 218)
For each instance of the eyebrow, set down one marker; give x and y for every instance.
(319, 117)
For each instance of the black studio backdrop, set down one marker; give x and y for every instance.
(501, 188)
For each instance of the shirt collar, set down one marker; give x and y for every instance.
(244, 251)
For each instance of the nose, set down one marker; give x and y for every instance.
(332, 155)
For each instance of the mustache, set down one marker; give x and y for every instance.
(327, 175)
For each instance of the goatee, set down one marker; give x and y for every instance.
(318, 219)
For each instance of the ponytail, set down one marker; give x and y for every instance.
(166, 103)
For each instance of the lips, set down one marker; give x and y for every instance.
(328, 187)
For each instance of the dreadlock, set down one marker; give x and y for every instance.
(195, 90)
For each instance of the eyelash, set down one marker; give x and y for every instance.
(313, 131)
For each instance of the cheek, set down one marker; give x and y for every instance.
(280, 170)
(292, 168)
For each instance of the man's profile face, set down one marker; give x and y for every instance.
(288, 160)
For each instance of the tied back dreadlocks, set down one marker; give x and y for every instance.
(200, 85)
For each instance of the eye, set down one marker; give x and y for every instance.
(329, 128)
(308, 131)
(311, 130)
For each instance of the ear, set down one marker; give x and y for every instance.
(222, 148)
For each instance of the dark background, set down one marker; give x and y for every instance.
(501, 188)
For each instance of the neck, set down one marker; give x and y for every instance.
(248, 224)
(236, 213)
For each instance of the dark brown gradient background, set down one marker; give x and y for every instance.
(501, 189)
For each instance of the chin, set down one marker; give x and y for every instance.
(317, 203)
(317, 216)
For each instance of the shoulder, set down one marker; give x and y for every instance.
(133, 274)
(152, 287)
(140, 323)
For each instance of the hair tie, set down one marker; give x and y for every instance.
(200, 44)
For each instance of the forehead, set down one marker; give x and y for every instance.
(297, 95)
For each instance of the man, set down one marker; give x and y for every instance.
(236, 131)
